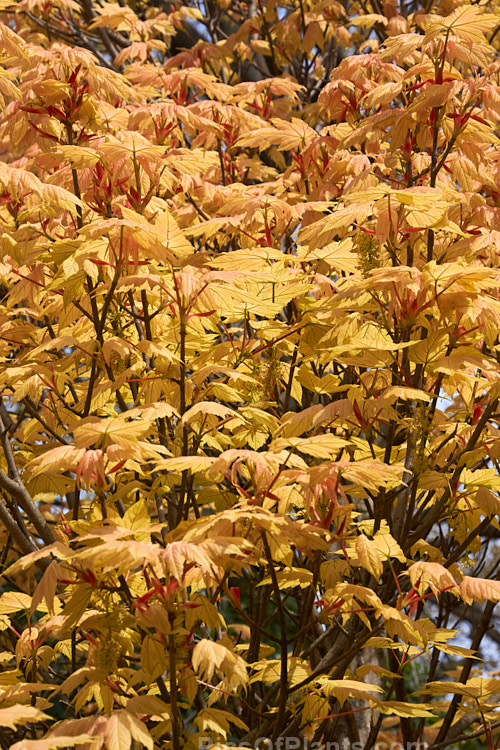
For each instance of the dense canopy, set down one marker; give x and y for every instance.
(250, 374)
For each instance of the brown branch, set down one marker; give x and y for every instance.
(172, 672)
(25, 544)
(89, 14)
(483, 626)
(283, 640)
(12, 484)
(463, 737)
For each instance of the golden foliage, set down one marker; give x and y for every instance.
(249, 315)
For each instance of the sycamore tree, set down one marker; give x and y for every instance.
(250, 373)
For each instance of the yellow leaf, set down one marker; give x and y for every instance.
(61, 197)
(482, 478)
(209, 656)
(269, 670)
(19, 715)
(340, 256)
(150, 412)
(137, 516)
(153, 657)
(46, 588)
(57, 550)
(150, 705)
(79, 156)
(10, 42)
(171, 234)
(408, 710)
(487, 501)
(261, 46)
(291, 578)
(344, 689)
(405, 394)
(213, 719)
(399, 624)
(476, 687)
(373, 474)
(204, 611)
(368, 556)
(77, 604)
(388, 546)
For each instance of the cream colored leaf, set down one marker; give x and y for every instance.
(61, 197)
(149, 412)
(117, 733)
(319, 446)
(178, 554)
(62, 458)
(210, 408)
(469, 23)
(19, 715)
(138, 729)
(80, 157)
(14, 601)
(367, 20)
(114, 16)
(479, 590)
(433, 575)
(46, 588)
(405, 394)
(110, 431)
(171, 234)
(381, 95)
(53, 743)
(209, 656)
(186, 463)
